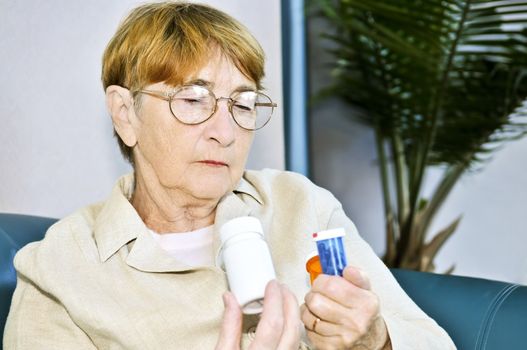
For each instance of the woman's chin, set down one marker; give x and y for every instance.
(212, 185)
(210, 190)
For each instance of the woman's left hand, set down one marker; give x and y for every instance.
(343, 313)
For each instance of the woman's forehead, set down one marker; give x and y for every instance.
(220, 68)
(218, 72)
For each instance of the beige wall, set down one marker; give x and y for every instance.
(57, 152)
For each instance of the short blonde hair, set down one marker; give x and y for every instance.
(169, 41)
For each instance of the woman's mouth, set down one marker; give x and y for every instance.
(214, 163)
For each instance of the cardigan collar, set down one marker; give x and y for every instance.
(118, 224)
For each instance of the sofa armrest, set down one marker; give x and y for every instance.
(16, 231)
(476, 313)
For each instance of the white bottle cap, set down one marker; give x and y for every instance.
(328, 234)
(238, 225)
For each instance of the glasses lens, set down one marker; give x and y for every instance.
(192, 104)
(252, 110)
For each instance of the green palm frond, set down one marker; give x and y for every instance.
(443, 82)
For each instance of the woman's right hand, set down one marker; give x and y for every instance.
(279, 326)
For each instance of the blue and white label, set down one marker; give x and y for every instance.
(330, 248)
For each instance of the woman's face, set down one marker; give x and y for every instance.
(206, 160)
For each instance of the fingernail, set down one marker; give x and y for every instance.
(274, 284)
(227, 298)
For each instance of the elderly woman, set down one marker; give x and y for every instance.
(183, 88)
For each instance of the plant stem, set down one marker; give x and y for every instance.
(442, 191)
(401, 179)
(391, 233)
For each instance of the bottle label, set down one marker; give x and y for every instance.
(330, 248)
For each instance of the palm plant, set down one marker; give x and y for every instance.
(442, 83)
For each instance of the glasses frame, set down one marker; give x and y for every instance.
(169, 96)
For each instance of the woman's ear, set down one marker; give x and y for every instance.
(120, 106)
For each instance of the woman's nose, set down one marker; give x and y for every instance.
(222, 126)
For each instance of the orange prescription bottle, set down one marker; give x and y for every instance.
(313, 267)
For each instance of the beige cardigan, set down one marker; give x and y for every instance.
(98, 280)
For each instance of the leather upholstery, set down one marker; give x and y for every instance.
(477, 313)
(15, 232)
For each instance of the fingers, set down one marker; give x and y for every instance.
(326, 309)
(279, 326)
(346, 290)
(342, 328)
(348, 305)
(269, 330)
(292, 325)
(357, 277)
(347, 310)
(322, 335)
(231, 326)
(321, 327)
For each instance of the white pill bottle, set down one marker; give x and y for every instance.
(247, 261)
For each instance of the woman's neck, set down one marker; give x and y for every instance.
(166, 210)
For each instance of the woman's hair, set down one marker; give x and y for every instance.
(169, 41)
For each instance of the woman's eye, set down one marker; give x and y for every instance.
(243, 107)
(192, 100)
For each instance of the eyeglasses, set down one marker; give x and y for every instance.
(195, 104)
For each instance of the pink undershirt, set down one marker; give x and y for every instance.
(192, 248)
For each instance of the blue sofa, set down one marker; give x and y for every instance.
(478, 314)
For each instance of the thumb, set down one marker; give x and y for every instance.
(357, 277)
(231, 325)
